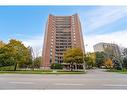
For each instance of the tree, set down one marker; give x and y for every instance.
(118, 60)
(14, 53)
(100, 58)
(108, 64)
(29, 60)
(125, 62)
(125, 52)
(73, 55)
(37, 62)
(125, 58)
(6, 58)
(36, 58)
(116, 64)
(90, 59)
(2, 44)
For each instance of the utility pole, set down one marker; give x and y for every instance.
(84, 63)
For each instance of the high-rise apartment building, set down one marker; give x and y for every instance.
(61, 32)
(114, 48)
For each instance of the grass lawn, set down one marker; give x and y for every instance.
(118, 71)
(9, 70)
(40, 72)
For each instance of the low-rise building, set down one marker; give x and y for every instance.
(108, 48)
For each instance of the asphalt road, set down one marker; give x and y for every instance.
(94, 79)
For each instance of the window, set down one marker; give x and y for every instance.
(69, 43)
(57, 46)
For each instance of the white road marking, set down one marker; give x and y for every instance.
(67, 84)
(21, 82)
(115, 85)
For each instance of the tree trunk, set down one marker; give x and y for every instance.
(33, 66)
(71, 66)
(84, 69)
(15, 66)
(76, 67)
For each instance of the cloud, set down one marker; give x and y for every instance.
(118, 37)
(92, 20)
(104, 16)
(36, 42)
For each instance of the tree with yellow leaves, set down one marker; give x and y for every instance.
(14, 53)
(108, 64)
(73, 55)
(90, 59)
(2, 44)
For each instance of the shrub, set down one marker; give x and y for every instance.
(56, 66)
(6, 68)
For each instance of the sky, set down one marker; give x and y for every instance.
(99, 24)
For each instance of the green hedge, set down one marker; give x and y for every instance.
(56, 66)
(7, 68)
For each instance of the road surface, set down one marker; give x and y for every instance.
(93, 79)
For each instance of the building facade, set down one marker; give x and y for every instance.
(61, 32)
(114, 48)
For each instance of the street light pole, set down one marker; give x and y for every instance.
(84, 63)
